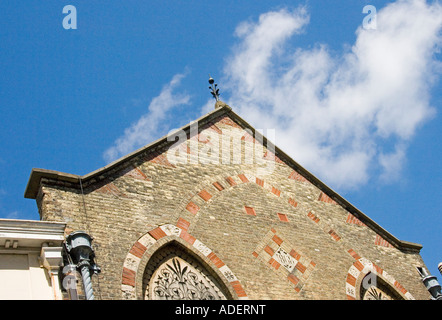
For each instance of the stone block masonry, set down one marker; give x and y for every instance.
(263, 232)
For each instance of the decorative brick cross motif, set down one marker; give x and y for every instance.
(284, 259)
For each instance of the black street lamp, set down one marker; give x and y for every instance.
(79, 248)
(431, 284)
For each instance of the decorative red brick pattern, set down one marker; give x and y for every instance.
(130, 265)
(296, 270)
(351, 219)
(187, 237)
(313, 217)
(138, 250)
(360, 268)
(218, 186)
(271, 156)
(213, 127)
(160, 159)
(334, 235)
(275, 264)
(111, 189)
(202, 137)
(135, 173)
(351, 280)
(294, 254)
(379, 241)
(269, 250)
(358, 265)
(282, 217)
(243, 178)
(193, 208)
(276, 191)
(214, 258)
(277, 240)
(238, 289)
(128, 277)
(183, 224)
(157, 233)
(400, 287)
(325, 198)
(354, 254)
(231, 181)
(301, 267)
(205, 195)
(227, 121)
(293, 202)
(250, 211)
(296, 176)
(294, 279)
(248, 137)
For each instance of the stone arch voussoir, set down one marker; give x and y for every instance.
(141, 251)
(360, 268)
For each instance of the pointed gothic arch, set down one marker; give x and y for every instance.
(176, 273)
(170, 251)
(367, 281)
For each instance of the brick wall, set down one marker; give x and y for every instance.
(276, 232)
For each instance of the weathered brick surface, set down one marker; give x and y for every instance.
(208, 201)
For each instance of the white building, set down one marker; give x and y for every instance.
(30, 259)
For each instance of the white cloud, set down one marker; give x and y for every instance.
(13, 215)
(346, 118)
(392, 163)
(343, 117)
(148, 126)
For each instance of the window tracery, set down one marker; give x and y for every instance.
(379, 290)
(174, 274)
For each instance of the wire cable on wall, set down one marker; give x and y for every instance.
(88, 230)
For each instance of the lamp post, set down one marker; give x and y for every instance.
(431, 284)
(79, 248)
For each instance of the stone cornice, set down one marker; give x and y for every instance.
(31, 233)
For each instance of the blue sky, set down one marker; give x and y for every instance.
(358, 107)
